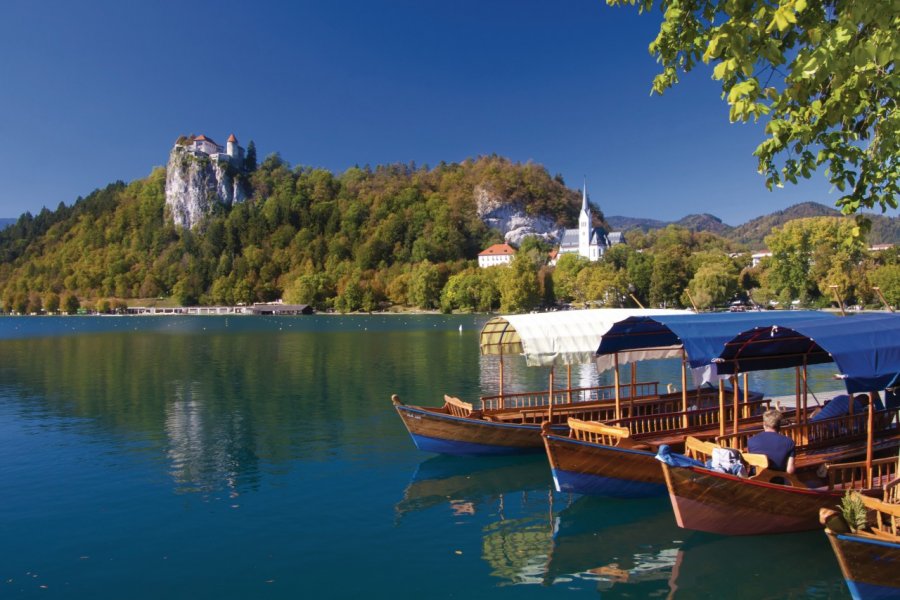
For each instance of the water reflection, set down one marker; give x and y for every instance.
(206, 454)
(465, 484)
(531, 535)
(220, 401)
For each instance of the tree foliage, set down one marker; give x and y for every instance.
(821, 73)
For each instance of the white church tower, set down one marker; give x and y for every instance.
(584, 227)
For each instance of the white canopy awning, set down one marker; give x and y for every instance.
(556, 338)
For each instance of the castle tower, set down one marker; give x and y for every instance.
(584, 226)
(231, 148)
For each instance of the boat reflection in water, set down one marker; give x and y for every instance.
(464, 483)
(611, 542)
(533, 535)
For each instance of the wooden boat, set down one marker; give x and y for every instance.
(706, 500)
(618, 458)
(869, 558)
(865, 349)
(510, 423)
(458, 428)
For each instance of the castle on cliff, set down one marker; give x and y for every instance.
(201, 174)
(232, 152)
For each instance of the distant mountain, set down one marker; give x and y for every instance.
(630, 223)
(752, 233)
(705, 222)
(4, 223)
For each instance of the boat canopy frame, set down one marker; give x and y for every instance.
(556, 338)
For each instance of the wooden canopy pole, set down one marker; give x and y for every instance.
(550, 411)
(569, 383)
(691, 298)
(633, 388)
(721, 406)
(797, 389)
(616, 383)
(684, 400)
(746, 394)
(840, 302)
(869, 439)
(802, 416)
(734, 384)
(501, 376)
(882, 298)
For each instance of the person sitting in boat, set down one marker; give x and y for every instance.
(777, 447)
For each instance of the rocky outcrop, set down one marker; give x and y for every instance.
(196, 183)
(508, 216)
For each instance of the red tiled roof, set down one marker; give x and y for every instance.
(498, 249)
(203, 138)
(231, 138)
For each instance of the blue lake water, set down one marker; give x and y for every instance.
(260, 457)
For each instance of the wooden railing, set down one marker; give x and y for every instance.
(596, 412)
(534, 399)
(596, 433)
(820, 433)
(854, 475)
(703, 398)
(691, 419)
(887, 517)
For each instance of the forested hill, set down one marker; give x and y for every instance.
(305, 234)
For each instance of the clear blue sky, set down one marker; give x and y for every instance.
(92, 92)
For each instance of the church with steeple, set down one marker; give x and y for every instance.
(587, 241)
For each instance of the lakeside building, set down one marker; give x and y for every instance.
(498, 254)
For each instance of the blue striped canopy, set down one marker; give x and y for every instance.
(865, 348)
(703, 336)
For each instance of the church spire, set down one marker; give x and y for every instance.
(584, 200)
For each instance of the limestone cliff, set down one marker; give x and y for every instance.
(196, 183)
(508, 216)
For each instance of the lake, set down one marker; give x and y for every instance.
(260, 457)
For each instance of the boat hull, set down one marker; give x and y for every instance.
(599, 470)
(462, 436)
(705, 500)
(870, 567)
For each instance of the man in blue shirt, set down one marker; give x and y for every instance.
(777, 447)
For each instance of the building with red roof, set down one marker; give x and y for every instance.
(498, 254)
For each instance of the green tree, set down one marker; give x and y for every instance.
(51, 303)
(565, 275)
(20, 303)
(70, 303)
(887, 278)
(250, 157)
(518, 283)
(425, 285)
(600, 284)
(822, 74)
(669, 278)
(713, 285)
(810, 255)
